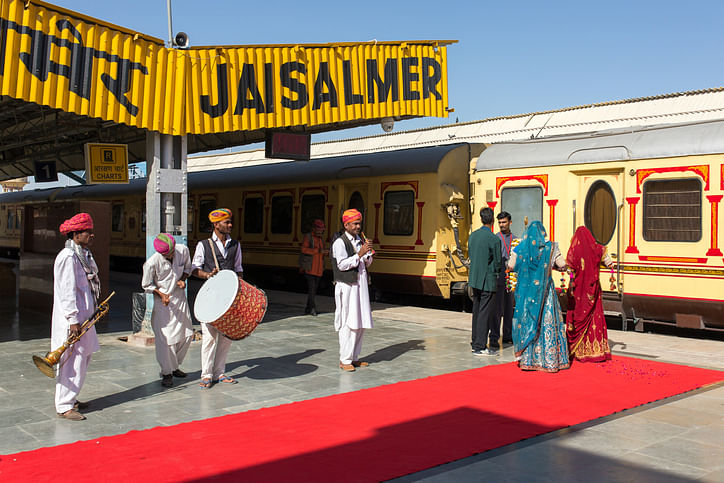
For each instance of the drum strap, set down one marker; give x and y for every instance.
(213, 252)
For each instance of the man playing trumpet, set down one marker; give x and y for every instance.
(76, 288)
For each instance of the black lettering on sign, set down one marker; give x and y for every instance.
(294, 85)
(408, 77)
(269, 87)
(429, 81)
(222, 86)
(247, 84)
(323, 78)
(79, 70)
(383, 87)
(349, 96)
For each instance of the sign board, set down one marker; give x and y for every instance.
(66, 60)
(45, 171)
(284, 145)
(106, 163)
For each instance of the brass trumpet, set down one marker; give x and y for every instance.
(46, 364)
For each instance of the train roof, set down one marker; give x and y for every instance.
(636, 113)
(406, 161)
(653, 142)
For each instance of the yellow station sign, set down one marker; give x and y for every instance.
(68, 61)
(106, 163)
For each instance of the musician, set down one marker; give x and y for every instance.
(76, 288)
(164, 276)
(220, 252)
(351, 255)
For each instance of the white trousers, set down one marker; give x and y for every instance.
(69, 379)
(170, 357)
(214, 349)
(350, 344)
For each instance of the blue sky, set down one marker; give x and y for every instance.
(511, 58)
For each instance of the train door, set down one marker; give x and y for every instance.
(356, 197)
(599, 209)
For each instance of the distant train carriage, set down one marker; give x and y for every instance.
(413, 201)
(650, 196)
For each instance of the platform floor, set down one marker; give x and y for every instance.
(292, 357)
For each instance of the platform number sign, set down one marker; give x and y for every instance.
(45, 171)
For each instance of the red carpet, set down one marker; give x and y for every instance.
(369, 435)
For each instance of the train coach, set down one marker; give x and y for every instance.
(651, 196)
(414, 203)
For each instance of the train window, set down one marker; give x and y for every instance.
(206, 206)
(312, 209)
(18, 219)
(281, 214)
(117, 213)
(672, 210)
(253, 215)
(600, 212)
(522, 202)
(11, 219)
(399, 213)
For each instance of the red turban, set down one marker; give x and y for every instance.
(351, 215)
(80, 222)
(220, 215)
(319, 224)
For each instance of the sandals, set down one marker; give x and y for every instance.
(226, 379)
(205, 383)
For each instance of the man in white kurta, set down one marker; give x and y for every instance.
(76, 288)
(352, 313)
(164, 276)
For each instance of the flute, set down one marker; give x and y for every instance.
(364, 240)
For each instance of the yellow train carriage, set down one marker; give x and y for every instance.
(405, 197)
(413, 201)
(650, 196)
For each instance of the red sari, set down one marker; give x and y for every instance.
(585, 322)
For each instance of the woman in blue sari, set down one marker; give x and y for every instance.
(539, 329)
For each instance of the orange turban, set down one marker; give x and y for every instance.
(351, 215)
(80, 222)
(220, 215)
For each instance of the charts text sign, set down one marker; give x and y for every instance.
(106, 163)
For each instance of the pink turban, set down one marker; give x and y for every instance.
(80, 222)
(220, 215)
(164, 243)
(351, 215)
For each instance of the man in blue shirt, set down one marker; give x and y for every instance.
(504, 299)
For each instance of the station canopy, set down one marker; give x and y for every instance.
(67, 79)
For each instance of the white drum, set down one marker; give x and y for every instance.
(231, 305)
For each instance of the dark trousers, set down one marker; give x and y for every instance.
(483, 319)
(312, 285)
(504, 307)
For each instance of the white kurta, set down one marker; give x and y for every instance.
(352, 300)
(172, 321)
(73, 303)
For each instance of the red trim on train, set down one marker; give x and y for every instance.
(669, 297)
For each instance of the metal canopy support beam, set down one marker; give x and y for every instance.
(166, 199)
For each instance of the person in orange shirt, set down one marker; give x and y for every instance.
(314, 246)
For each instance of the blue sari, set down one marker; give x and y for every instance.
(539, 330)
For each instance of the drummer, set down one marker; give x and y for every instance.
(220, 252)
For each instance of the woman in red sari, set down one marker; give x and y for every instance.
(585, 322)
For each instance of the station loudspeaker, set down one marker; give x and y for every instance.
(181, 40)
